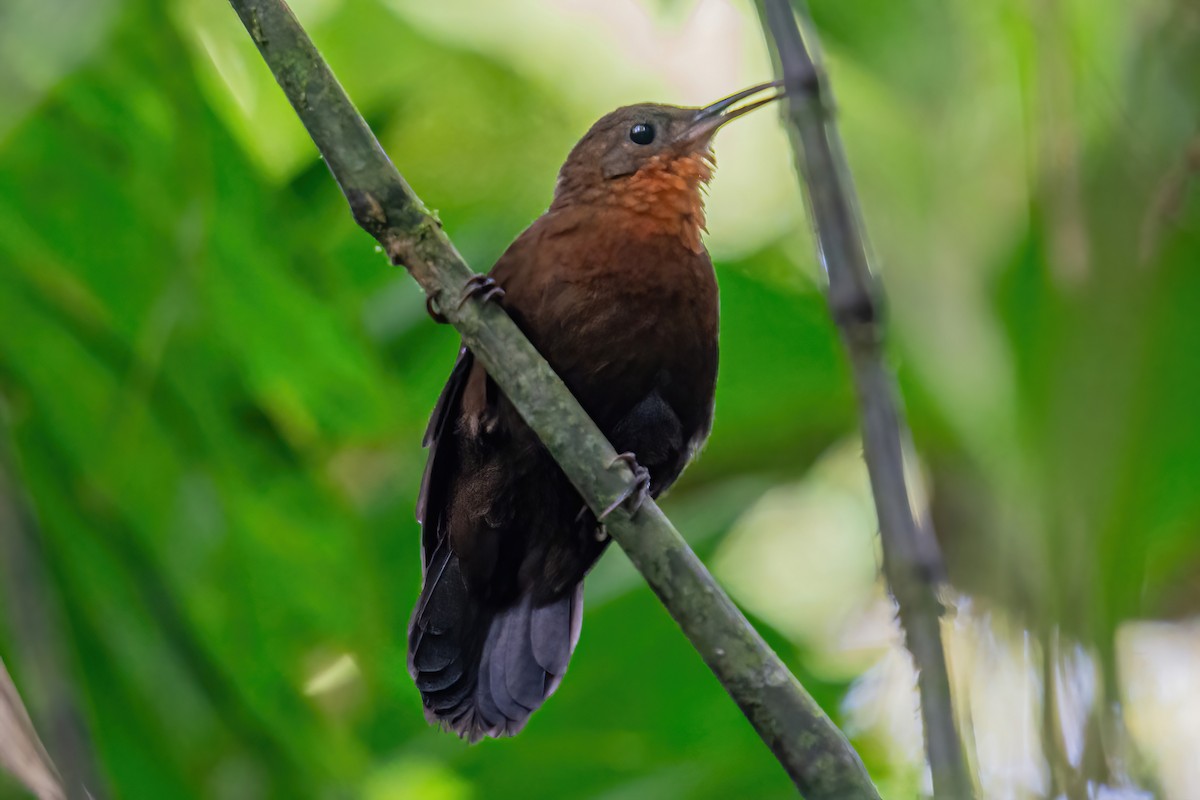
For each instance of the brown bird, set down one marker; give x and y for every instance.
(614, 288)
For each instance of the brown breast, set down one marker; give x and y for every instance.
(616, 301)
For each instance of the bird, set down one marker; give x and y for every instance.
(615, 289)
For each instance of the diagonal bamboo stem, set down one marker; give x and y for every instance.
(814, 752)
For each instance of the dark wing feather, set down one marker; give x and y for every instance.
(437, 463)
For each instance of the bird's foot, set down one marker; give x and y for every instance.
(636, 492)
(482, 286)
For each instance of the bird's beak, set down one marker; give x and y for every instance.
(708, 119)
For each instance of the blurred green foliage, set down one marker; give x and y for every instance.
(217, 387)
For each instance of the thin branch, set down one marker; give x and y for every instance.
(35, 622)
(911, 559)
(21, 751)
(809, 746)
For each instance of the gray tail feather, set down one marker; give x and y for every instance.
(482, 673)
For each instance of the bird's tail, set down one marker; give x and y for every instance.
(482, 672)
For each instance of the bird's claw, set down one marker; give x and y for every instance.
(636, 492)
(431, 308)
(482, 286)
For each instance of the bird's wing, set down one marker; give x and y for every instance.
(438, 466)
(468, 400)
(482, 665)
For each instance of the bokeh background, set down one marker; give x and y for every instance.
(214, 389)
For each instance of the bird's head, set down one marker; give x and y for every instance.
(649, 149)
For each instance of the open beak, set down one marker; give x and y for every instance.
(710, 118)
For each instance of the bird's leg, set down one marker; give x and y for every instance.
(636, 492)
(482, 286)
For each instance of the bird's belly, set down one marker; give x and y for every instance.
(614, 344)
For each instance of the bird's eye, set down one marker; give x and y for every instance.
(642, 133)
